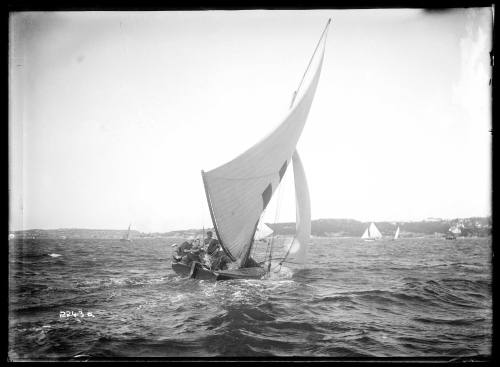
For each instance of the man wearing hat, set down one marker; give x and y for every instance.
(218, 258)
(212, 243)
(194, 253)
(182, 251)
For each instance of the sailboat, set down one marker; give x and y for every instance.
(453, 232)
(239, 191)
(396, 235)
(126, 238)
(371, 233)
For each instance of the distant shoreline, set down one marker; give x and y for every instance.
(321, 228)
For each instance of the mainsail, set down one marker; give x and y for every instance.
(239, 191)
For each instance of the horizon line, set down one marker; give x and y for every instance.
(196, 229)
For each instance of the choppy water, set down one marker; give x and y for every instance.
(411, 297)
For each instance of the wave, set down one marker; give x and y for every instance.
(453, 322)
(411, 302)
(334, 299)
(119, 282)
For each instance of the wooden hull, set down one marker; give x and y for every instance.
(197, 271)
(194, 270)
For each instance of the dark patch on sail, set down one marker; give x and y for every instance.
(266, 195)
(283, 170)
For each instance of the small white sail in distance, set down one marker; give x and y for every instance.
(126, 237)
(396, 235)
(371, 232)
(128, 231)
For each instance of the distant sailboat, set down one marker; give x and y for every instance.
(396, 235)
(453, 232)
(371, 233)
(126, 238)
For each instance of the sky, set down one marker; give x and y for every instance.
(112, 115)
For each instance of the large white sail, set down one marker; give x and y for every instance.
(239, 191)
(298, 250)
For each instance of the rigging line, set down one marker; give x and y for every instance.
(292, 262)
(288, 252)
(278, 204)
(293, 239)
(277, 258)
(267, 251)
(278, 207)
(255, 246)
(293, 100)
(310, 60)
(325, 33)
(284, 261)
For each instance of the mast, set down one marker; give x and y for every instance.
(310, 61)
(247, 253)
(213, 217)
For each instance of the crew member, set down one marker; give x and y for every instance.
(218, 259)
(183, 250)
(183, 247)
(211, 243)
(194, 254)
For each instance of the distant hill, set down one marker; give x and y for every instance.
(474, 226)
(76, 233)
(82, 233)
